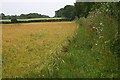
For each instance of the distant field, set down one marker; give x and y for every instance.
(28, 47)
(8, 20)
(38, 19)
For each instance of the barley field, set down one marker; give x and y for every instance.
(26, 48)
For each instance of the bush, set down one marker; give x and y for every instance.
(13, 19)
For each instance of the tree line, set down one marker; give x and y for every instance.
(82, 9)
(23, 16)
(79, 9)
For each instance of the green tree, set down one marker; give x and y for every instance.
(13, 19)
(68, 12)
(82, 9)
(59, 13)
(2, 16)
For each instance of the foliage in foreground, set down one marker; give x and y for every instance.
(89, 55)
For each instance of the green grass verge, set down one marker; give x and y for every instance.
(89, 55)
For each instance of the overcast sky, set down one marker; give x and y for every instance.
(47, 7)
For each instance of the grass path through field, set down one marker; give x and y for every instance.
(26, 47)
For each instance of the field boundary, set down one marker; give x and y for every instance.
(29, 21)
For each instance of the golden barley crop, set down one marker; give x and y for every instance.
(26, 47)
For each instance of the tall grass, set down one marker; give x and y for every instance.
(89, 55)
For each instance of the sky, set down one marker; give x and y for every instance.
(46, 7)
